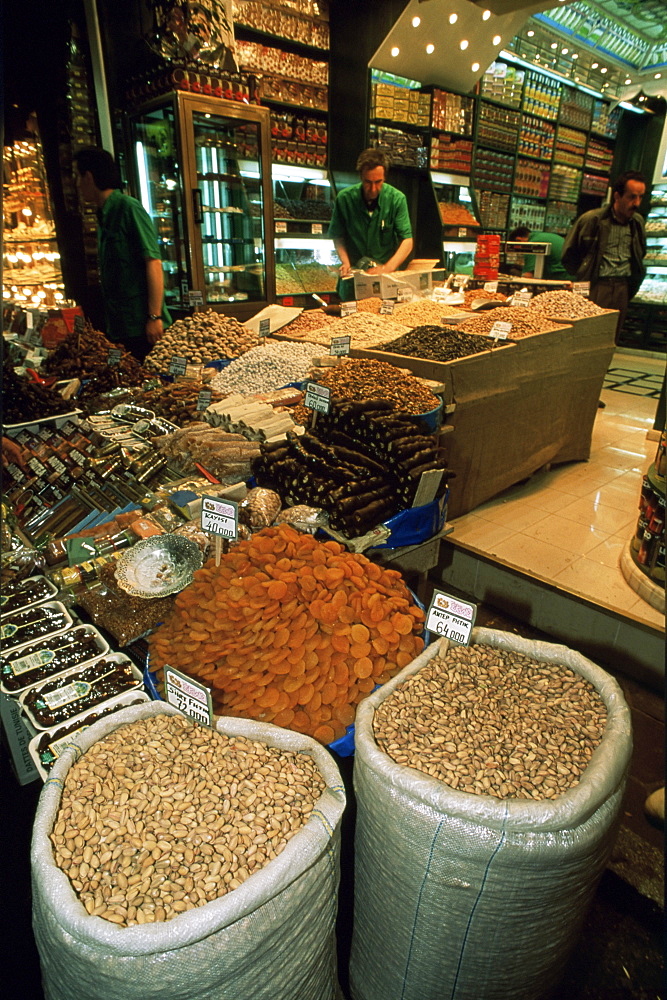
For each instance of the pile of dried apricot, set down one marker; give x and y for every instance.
(291, 630)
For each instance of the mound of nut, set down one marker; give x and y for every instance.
(493, 722)
(525, 322)
(164, 815)
(564, 305)
(205, 336)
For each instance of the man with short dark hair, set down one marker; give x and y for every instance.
(607, 246)
(370, 225)
(553, 268)
(129, 256)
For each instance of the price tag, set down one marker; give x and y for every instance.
(439, 295)
(196, 298)
(178, 366)
(451, 618)
(461, 280)
(44, 433)
(28, 320)
(490, 286)
(582, 288)
(404, 294)
(114, 356)
(500, 331)
(522, 298)
(340, 345)
(79, 324)
(185, 288)
(429, 483)
(281, 227)
(387, 307)
(188, 696)
(318, 397)
(220, 517)
(463, 231)
(316, 228)
(204, 399)
(265, 327)
(348, 308)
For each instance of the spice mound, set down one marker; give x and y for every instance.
(291, 630)
(163, 815)
(493, 722)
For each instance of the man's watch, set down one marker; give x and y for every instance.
(155, 316)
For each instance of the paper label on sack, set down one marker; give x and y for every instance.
(340, 345)
(318, 397)
(500, 331)
(490, 286)
(387, 307)
(451, 618)
(582, 288)
(188, 696)
(429, 483)
(347, 308)
(220, 517)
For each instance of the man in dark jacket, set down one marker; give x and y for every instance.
(607, 246)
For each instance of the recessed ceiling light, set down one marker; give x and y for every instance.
(564, 52)
(530, 33)
(475, 67)
(594, 65)
(453, 18)
(497, 39)
(658, 76)
(463, 44)
(554, 45)
(416, 21)
(604, 69)
(486, 15)
(430, 48)
(395, 51)
(628, 80)
(575, 55)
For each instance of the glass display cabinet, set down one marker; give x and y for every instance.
(459, 219)
(201, 168)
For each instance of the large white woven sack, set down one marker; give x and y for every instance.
(273, 938)
(467, 897)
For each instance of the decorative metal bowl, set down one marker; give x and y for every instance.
(158, 566)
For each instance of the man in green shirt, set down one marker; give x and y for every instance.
(553, 269)
(129, 256)
(370, 223)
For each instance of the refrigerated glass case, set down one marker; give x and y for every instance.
(201, 168)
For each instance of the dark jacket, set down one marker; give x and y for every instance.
(587, 239)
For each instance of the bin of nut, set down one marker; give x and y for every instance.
(172, 860)
(489, 781)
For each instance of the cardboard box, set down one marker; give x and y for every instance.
(386, 286)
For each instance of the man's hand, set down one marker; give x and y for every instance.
(378, 269)
(154, 330)
(344, 269)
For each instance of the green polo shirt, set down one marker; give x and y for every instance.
(126, 239)
(374, 234)
(552, 264)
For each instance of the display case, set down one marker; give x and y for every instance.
(202, 172)
(306, 261)
(459, 218)
(30, 257)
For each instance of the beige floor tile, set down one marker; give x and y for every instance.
(549, 500)
(514, 514)
(540, 558)
(649, 614)
(622, 497)
(608, 552)
(567, 534)
(590, 510)
(598, 583)
(480, 534)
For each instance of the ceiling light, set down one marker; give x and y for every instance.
(463, 44)
(530, 33)
(554, 45)
(453, 18)
(430, 48)
(416, 21)
(604, 69)
(486, 15)
(475, 67)
(575, 55)
(628, 80)
(564, 52)
(594, 65)
(657, 76)
(395, 51)
(496, 39)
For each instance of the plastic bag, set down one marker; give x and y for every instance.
(462, 896)
(273, 937)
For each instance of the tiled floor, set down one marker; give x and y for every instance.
(568, 525)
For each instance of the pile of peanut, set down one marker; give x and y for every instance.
(164, 815)
(204, 336)
(563, 305)
(493, 722)
(525, 321)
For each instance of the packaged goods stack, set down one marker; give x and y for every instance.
(487, 257)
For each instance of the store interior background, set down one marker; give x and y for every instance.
(541, 558)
